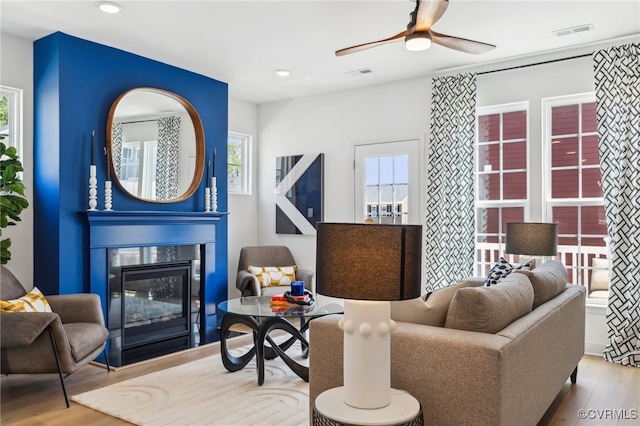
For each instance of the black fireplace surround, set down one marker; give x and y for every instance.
(154, 301)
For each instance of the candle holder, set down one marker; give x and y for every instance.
(207, 199)
(107, 195)
(93, 187)
(214, 195)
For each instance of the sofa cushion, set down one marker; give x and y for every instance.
(548, 280)
(430, 309)
(490, 309)
(502, 269)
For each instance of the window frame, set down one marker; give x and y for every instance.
(15, 105)
(547, 104)
(482, 266)
(244, 165)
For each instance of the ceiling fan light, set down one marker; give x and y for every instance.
(417, 42)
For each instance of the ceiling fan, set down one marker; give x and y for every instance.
(419, 36)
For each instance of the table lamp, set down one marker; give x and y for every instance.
(532, 238)
(368, 266)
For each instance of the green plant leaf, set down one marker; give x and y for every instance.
(12, 199)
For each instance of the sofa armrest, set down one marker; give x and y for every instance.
(22, 328)
(247, 283)
(81, 307)
(306, 275)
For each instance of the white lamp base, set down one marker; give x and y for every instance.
(367, 349)
(402, 409)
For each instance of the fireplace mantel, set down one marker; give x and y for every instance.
(142, 228)
(119, 229)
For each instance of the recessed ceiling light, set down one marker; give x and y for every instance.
(282, 73)
(109, 7)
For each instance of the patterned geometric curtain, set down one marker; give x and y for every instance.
(617, 75)
(116, 146)
(450, 225)
(167, 167)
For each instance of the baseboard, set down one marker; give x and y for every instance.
(594, 348)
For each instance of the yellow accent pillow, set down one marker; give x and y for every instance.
(271, 276)
(33, 301)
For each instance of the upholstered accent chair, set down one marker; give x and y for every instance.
(268, 256)
(61, 341)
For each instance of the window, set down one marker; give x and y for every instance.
(570, 192)
(238, 147)
(139, 159)
(11, 117)
(501, 178)
(385, 182)
(574, 186)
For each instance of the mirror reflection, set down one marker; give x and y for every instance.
(155, 144)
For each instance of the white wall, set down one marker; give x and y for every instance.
(333, 124)
(16, 70)
(243, 209)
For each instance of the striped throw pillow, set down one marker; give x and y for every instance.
(34, 301)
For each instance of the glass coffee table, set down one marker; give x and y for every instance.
(256, 313)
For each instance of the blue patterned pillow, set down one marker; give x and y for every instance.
(503, 268)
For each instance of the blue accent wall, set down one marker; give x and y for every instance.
(75, 83)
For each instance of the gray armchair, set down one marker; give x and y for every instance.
(248, 283)
(60, 342)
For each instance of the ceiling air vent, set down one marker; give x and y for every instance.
(573, 30)
(362, 71)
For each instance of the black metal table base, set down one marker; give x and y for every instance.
(260, 350)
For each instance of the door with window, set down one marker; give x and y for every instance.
(386, 182)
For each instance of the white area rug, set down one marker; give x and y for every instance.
(203, 392)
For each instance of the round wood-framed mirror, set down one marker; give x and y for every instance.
(155, 145)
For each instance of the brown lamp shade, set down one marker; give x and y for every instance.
(530, 238)
(369, 262)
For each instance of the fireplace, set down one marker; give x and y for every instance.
(160, 276)
(154, 301)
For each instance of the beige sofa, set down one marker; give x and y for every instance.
(507, 376)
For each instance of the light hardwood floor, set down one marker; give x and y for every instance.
(607, 391)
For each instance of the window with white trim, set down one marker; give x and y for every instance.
(573, 187)
(238, 168)
(501, 177)
(11, 117)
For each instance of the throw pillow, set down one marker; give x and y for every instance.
(600, 274)
(34, 301)
(490, 309)
(548, 280)
(271, 276)
(431, 308)
(502, 269)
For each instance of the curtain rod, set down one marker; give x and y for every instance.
(535, 64)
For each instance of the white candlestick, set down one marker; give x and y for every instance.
(207, 199)
(107, 195)
(93, 187)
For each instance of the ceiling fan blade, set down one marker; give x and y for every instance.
(461, 44)
(364, 46)
(428, 12)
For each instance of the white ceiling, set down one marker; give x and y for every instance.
(242, 42)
